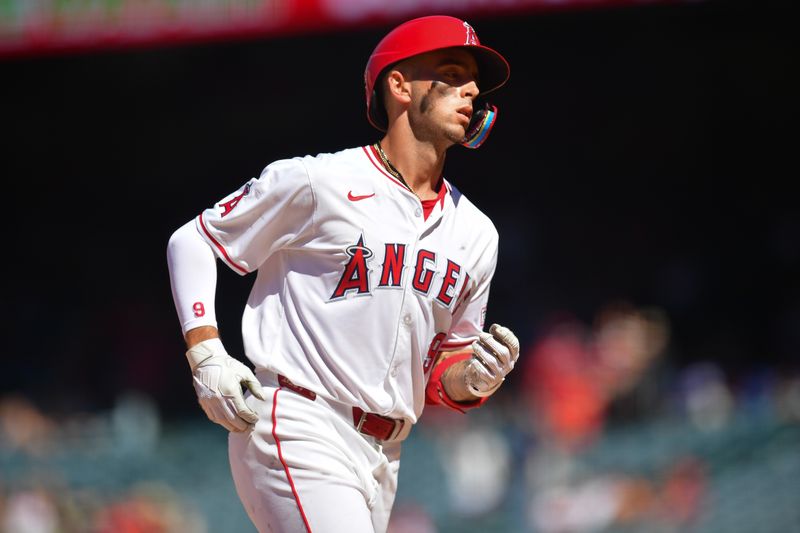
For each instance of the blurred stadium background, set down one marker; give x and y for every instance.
(640, 178)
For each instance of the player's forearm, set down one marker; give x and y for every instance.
(455, 384)
(193, 278)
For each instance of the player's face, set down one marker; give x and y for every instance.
(443, 87)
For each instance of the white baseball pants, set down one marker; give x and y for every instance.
(304, 468)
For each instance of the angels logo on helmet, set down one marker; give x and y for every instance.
(472, 38)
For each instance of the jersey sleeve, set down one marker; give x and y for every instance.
(470, 312)
(268, 213)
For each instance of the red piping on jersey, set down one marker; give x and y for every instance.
(220, 247)
(373, 160)
(283, 462)
(380, 168)
(456, 344)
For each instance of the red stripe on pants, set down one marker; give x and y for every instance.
(283, 462)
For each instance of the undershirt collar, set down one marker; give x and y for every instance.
(428, 205)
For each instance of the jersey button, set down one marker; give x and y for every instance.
(418, 212)
(407, 319)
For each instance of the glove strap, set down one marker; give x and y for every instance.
(204, 350)
(475, 392)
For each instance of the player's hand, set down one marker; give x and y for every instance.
(493, 357)
(218, 380)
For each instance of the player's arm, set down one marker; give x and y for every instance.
(217, 377)
(465, 378)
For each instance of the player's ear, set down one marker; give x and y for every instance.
(397, 87)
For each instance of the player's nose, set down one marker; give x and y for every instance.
(470, 90)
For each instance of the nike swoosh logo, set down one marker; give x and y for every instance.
(354, 198)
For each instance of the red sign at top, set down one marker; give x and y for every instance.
(33, 28)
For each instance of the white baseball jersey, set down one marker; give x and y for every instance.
(356, 291)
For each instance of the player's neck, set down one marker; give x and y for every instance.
(420, 164)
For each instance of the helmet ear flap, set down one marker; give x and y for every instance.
(377, 111)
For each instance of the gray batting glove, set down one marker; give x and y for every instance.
(493, 357)
(218, 380)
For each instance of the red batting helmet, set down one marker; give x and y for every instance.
(426, 34)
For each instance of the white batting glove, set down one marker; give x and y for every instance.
(218, 380)
(494, 355)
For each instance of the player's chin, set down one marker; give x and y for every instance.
(456, 133)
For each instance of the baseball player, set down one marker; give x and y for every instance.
(372, 279)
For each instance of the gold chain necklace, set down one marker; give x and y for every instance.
(392, 170)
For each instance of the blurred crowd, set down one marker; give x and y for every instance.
(577, 385)
(37, 496)
(521, 463)
(146, 508)
(579, 380)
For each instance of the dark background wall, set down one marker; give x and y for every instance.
(645, 154)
